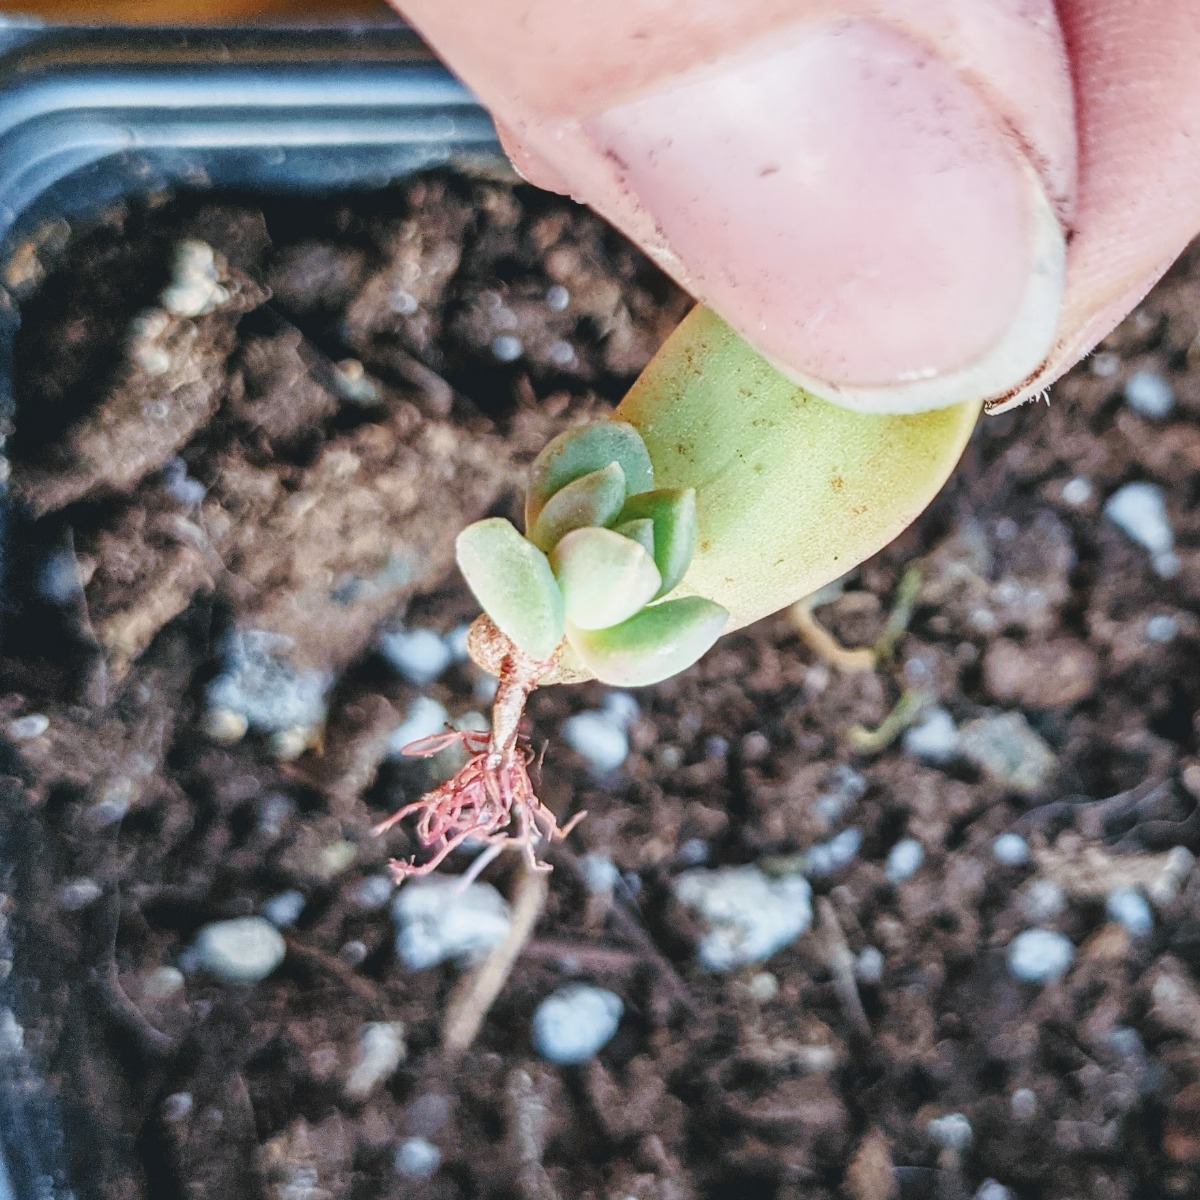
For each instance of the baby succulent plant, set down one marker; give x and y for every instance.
(719, 491)
(585, 587)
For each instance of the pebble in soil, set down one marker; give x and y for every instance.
(575, 1022)
(438, 920)
(242, 950)
(749, 915)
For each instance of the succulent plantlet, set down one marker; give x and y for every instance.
(718, 492)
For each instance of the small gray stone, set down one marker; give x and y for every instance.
(904, 860)
(1139, 511)
(353, 952)
(989, 1189)
(749, 914)
(78, 894)
(287, 745)
(1162, 629)
(763, 986)
(161, 984)
(417, 1158)
(243, 950)
(599, 737)
(457, 642)
(381, 1050)
(25, 729)
(1078, 491)
(224, 726)
(180, 486)
(12, 1035)
(419, 655)
(194, 288)
(285, 908)
(933, 739)
(1010, 850)
(274, 811)
(600, 873)
(1040, 955)
(438, 920)
(572, 1024)
(1042, 900)
(424, 718)
(259, 684)
(844, 788)
(1149, 394)
(1023, 1104)
(669, 757)
(108, 810)
(622, 708)
(868, 967)
(951, 1132)
(507, 348)
(374, 892)
(1131, 910)
(58, 579)
(177, 1106)
(1006, 749)
(827, 858)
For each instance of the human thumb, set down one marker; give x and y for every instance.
(874, 199)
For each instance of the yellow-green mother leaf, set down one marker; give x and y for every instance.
(592, 499)
(512, 580)
(654, 644)
(604, 577)
(791, 491)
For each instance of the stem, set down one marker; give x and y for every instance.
(518, 675)
(517, 681)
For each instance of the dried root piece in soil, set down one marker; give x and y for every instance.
(475, 993)
(824, 645)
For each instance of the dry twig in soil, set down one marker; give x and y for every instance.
(476, 992)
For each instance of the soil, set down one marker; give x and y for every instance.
(289, 469)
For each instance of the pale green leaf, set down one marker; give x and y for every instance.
(654, 644)
(791, 490)
(593, 499)
(673, 511)
(604, 577)
(641, 531)
(512, 580)
(580, 451)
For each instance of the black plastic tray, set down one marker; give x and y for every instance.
(92, 115)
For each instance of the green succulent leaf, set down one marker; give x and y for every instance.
(592, 499)
(578, 452)
(673, 511)
(604, 577)
(640, 531)
(654, 644)
(512, 580)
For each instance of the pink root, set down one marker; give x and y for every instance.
(491, 800)
(488, 801)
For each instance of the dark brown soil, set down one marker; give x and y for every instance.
(185, 478)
